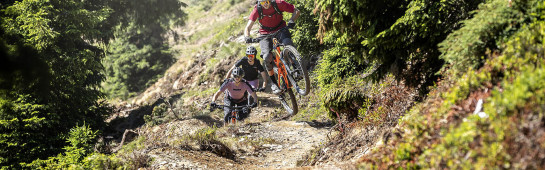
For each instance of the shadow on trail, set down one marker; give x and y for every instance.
(134, 119)
(115, 128)
(272, 102)
(209, 120)
(319, 125)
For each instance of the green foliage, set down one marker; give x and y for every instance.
(79, 154)
(103, 161)
(333, 66)
(312, 111)
(81, 139)
(139, 55)
(521, 88)
(203, 5)
(19, 115)
(225, 31)
(404, 152)
(466, 47)
(491, 138)
(398, 37)
(53, 66)
(370, 117)
(304, 34)
(523, 61)
(158, 115)
(204, 135)
(131, 69)
(137, 144)
(344, 100)
(53, 74)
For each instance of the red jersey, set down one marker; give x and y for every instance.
(270, 19)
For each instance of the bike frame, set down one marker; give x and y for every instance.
(282, 73)
(234, 111)
(234, 116)
(283, 70)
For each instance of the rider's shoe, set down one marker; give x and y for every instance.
(275, 89)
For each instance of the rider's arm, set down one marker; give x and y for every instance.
(254, 96)
(216, 95)
(248, 28)
(229, 73)
(265, 78)
(295, 15)
(220, 91)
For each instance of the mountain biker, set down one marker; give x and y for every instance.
(236, 89)
(269, 13)
(251, 67)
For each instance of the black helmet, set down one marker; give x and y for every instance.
(251, 50)
(237, 72)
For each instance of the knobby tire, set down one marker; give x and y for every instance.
(289, 99)
(290, 54)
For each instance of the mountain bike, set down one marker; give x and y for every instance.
(234, 117)
(289, 71)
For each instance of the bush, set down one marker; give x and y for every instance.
(81, 140)
(397, 37)
(466, 47)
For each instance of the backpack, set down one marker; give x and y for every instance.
(260, 12)
(260, 9)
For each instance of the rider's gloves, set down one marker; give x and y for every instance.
(213, 104)
(254, 105)
(291, 24)
(261, 89)
(248, 39)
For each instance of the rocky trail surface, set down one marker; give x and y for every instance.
(261, 141)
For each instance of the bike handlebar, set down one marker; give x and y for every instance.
(231, 107)
(256, 40)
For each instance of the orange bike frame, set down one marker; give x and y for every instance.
(234, 117)
(282, 73)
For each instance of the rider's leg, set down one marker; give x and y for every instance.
(243, 115)
(266, 45)
(254, 84)
(285, 38)
(226, 110)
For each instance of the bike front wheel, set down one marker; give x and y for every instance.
(298, 74)
(289, 103)
(287, 98)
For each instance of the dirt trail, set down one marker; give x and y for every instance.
(257, 142)
(288, 140)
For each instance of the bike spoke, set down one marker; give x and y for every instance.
(298, 75)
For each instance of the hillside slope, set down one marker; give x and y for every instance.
(169, 125)
(488, 113)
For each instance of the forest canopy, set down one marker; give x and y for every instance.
(52, 66)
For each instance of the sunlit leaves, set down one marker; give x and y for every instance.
(31, 19)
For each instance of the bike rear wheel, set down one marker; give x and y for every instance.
(288, 101)
(298, 74)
